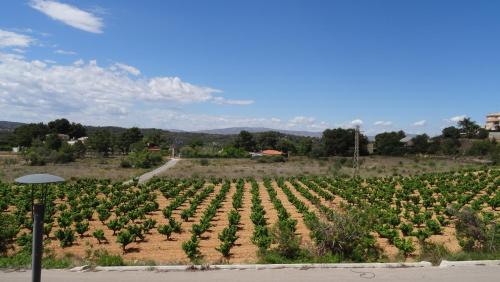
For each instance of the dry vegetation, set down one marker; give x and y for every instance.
(371, 166)
(13, 166)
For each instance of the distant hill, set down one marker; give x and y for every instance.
(236, 130)
(9, 125)
(218, 135)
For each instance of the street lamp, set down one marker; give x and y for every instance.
(37, 213)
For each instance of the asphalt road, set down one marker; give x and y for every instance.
(427, 274)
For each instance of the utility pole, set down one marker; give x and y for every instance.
(355, 162)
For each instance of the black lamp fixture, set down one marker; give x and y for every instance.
(38, 209)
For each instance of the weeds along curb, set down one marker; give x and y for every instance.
(446, 263)
(251, 266)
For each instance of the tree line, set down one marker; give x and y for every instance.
(42, 143)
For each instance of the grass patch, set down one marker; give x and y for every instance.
(23, 260)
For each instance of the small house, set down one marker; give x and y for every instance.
(271, 153)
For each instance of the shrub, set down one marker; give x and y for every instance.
(81, 228)
(124, 238)
(191, 248)
(65, 236)
(405, 246)
(165, 230)
(8, 231)
(99, 235)
(475, 234)
(125, 163)
(347, 235)
(433, 226)
(103, 258)
(288, 242)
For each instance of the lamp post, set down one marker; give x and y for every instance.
(38, 210)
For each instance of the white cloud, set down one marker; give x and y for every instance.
(127, 68)
(305, 123)
(12, 39)
(85, 89)
(356, 122)
(420, 123)
(69, 15)
(64, 52)
(456, 119)
(382, 123)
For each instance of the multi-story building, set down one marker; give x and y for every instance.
(493, 122)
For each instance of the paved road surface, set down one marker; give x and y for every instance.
(428, 274)
(147, 176)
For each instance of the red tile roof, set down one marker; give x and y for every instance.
(272, 152)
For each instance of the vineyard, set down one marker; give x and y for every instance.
(220, 220)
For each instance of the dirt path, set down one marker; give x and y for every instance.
(244, 251)
(210, 239)
(147, 176)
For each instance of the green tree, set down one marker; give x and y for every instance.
(60, 126)
(469, 128)
(155, 138)
(389, 143)
(268, 140)
(420, 143)
(286, 145)
(129, 137)
(79, 149)
(340, 142)
(53, 142)
(77, 130)
(451, 132)
(449, 146)
(304, 146)
(25, 134)
(100, 141)
(245, 141)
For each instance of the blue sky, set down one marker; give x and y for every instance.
(304, 65)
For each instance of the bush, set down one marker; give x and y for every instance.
(125, 163)
(482, 148)
(283, 234)
(347, 235)
(124, 238)
(475, 234)
(143, 159)
(103, 258)
(8, 231)
(99, 235)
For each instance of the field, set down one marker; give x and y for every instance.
(370, 166)
(13, 166)
(174, 221)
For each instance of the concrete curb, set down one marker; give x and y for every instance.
(446, 263)
(253, 266)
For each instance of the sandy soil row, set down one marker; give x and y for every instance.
(244, 251)
(210, 239)
(301, 229)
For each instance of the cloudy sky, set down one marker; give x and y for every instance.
(300, 65)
